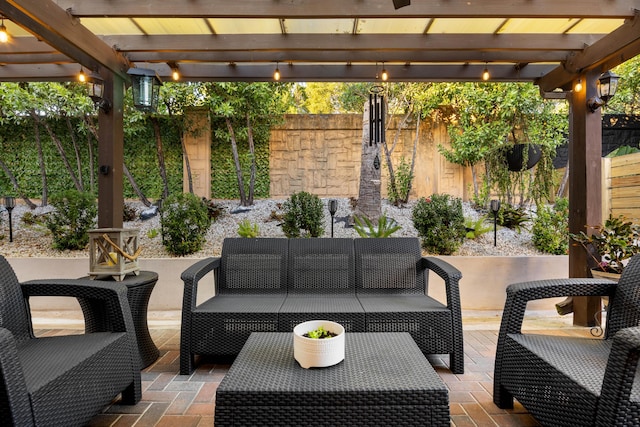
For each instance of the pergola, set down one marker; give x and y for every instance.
(552, 43)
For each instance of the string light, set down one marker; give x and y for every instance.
(82, 77)
(385, 75)
(276, 73)
(485, 74)
(578, 86)
(4, 35)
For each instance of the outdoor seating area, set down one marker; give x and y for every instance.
(365, 284)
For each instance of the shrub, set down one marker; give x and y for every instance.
(303, 215)
(385, 228)
(185, 220)
(215, 210)
(512, 217)
(440, 223)
(74, 215)
(550, 232)
(476, 228)
(247, 229)
(403, 178)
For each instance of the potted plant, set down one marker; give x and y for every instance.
(610, 245)
(318, 343)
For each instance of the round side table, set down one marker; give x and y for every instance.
(139, 290)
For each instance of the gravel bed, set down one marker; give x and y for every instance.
(35, 241)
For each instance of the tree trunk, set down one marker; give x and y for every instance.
(563, 185)
(43, 170)
(405, 197)
(252, 151)
(60, 148)
(92, 131)
(14, 181)
(135, 187)
(72, 134)
(369, 200)
(187, 163)
(160, 152)
(236, 160)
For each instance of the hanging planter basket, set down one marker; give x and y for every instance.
(517, 160)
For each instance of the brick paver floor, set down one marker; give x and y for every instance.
(170, 399)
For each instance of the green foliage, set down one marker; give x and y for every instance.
(385, 228)
(550, 231)
(320, 333)
(303, 215)
(611, 243)
(623, 151)
(153, 233)
(215, 210)
(627, 98)
(476, 228)
(404, 178)
(30, 219)
(440, 223)
(513, 217)
(247, 229)
(185, 221)
(74, 215)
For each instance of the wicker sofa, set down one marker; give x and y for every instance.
(271, 284)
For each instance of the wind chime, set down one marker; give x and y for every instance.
(376, 120)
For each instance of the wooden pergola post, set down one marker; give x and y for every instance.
(111, 155)
(585, 187)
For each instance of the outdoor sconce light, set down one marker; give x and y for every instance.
(606, 86)
(95, 90)
(9, 204)
(495, 207)
(145, 85)
(333, 208)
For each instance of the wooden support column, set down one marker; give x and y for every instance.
(585, 187)
(111, 155)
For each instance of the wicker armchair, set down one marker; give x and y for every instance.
(250, 286)
(63, 380)
(571, 381)
(392, 286)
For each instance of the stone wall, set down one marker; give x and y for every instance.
(320, 154)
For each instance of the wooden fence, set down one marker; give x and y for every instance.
(621, 186)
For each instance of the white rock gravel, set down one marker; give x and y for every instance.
(35, 241)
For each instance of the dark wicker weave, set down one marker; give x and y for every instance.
(64, 380)
(250, 286)
(384, 380)
(139, 288)
(392, 286)
(568, 381)
(321, 284)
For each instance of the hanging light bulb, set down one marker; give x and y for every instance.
(578, 86)
(385, 75)
(82, 77)
(485, 74)
(276, 73)
(4, 35)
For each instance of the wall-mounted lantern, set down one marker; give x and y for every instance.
(606, 86)
(94, 85)
(145, 84)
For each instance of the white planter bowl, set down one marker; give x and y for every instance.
(318, 353)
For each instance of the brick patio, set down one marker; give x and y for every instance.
(170, 399)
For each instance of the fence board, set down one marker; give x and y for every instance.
(623, 192)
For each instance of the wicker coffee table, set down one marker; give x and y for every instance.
(384, 380)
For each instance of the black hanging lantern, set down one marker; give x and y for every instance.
(145, 84)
